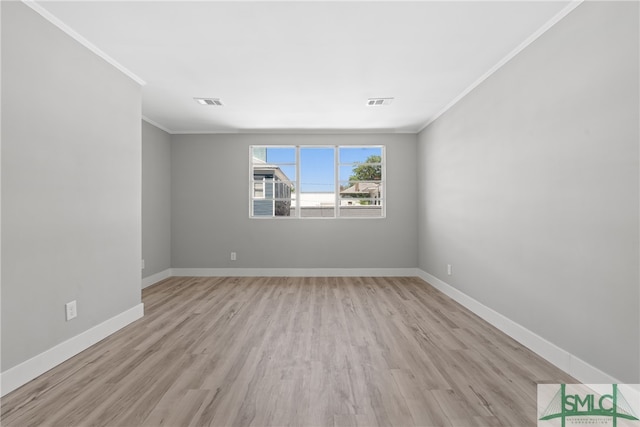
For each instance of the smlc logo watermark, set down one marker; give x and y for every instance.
(612, 405)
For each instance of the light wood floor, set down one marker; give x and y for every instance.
(292, 352)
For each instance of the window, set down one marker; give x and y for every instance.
(317, 181)
(273, 172)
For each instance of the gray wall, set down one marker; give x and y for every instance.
(156, 199)
(529, 188)
(210, 210)
(70, 186)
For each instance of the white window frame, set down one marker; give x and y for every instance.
(296, 212)
(383, 186)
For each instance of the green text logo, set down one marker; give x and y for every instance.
(583, 406)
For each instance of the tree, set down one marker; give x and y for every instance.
(367, 171)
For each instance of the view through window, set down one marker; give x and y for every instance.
(317, 181)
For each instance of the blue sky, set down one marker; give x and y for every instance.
(317, 164)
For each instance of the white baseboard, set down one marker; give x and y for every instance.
(21, 374)
(574, 366)
(295, 272)
(155, 278)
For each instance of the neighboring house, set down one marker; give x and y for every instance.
(271, 190)
(368, 191)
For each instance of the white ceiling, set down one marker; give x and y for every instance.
(303, 66)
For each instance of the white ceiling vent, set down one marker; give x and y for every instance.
(374, 102)
(209, 101)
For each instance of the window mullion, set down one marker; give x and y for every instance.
(298, 193)
(336, 180)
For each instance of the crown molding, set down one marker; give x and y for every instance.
(533, 37)
(77, 37)
(297, 132)
(156, 124)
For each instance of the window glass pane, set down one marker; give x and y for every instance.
(360, 172)
(360, 182)
(360, 154)
(274, 172)
(316, 211)
(361, 189)
(258, 189)
(317, 170)
(282, 207)
(360, 211)
(262, 207)
(289, 172)
(274, 155)
(272, 207)
(317, 197)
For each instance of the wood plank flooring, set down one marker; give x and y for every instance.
(292, 352)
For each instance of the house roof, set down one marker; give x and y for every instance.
(278, 173)
(362, 188)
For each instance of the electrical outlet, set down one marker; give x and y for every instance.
(234, 256)
(449, 269)
(71, 309)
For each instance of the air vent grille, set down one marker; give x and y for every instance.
(216, 102)
(375, 102)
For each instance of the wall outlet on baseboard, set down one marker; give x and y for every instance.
(71, 310)
(449, 269)
(234, 256)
